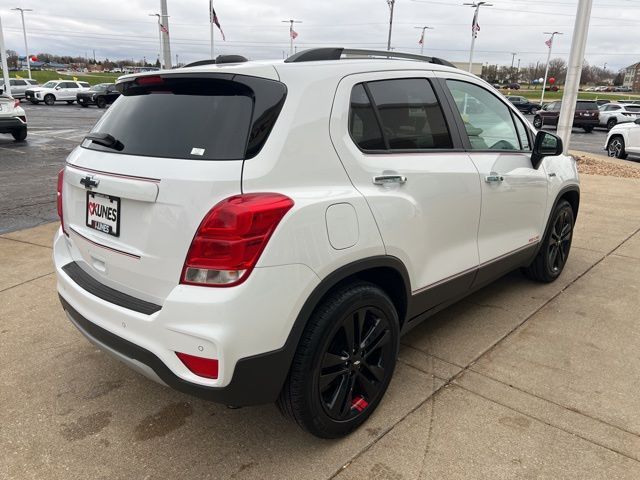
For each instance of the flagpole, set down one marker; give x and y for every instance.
(291, 22)
(391, 4)
(159, 37)
(422, 37)
(211, 27)
(211, 36)
(474, 33)
(546, 70)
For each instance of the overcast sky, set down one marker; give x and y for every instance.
(122, 28)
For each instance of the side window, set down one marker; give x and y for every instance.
(363, 126)
(488, 121)
(68, 85)
(410, 114)
(557, 106)
(21, 83)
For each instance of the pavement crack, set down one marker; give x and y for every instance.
(26, 281)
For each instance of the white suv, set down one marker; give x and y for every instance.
(611, 114)
(276, 242)
(56, 91)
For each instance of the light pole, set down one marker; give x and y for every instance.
(159, 36)
(164, 34)
(24, 33)
(475, 27)
(422, 37)
(574, 70)
(292, 33)
(391, 4)
(3, 63)
(546, 70)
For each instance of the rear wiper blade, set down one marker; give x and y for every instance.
(105, 140)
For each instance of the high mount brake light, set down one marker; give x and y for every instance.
(59, 199)
(150, 80)
(231, 237)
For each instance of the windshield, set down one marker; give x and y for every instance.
(50, 84)
(192, 118)
(101, 87)
(586, 105)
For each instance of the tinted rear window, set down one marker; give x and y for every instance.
(633, 108)
(580, 105)
(193, 118)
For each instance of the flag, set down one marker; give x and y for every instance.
(549, 42)
(293, 34)
(421, 41)
(164, 29)
(213, 18)
(475, 26)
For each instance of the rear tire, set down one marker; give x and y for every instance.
(49, 99)
(588, 129)
(344, 361)
(537, 122)
(554, 251)
(101, 102)
(20, 135)
(84, 104)
(612, 122)
(615, 147)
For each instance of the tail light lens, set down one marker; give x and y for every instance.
(59, 199)
(16, 103)
(231, 238)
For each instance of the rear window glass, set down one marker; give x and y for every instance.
(580, 105)
(192, 118)
(633, 108)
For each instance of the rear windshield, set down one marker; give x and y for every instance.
(632, 108)
(581, 105)
(219, 117)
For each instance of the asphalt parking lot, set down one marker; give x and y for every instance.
(28, 170)
(519, 380)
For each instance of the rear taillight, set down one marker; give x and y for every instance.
(16, 103)
(201, 366)
(59, 199)
(231, 238)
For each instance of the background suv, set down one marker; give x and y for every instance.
(624, 139)
(56, 91)
(275, 243)
(13, 120)
(586, 115)
(100, 95)
(613, 113)
(19, 86)
(524, 104)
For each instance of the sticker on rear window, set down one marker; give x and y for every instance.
(197, 151)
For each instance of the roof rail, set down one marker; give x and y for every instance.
(219, 59)
(317, 54)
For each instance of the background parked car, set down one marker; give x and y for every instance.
(586, 115)
(13, 120)
(551, 88)
(623, 139)
(613, 113)
(19, 86)
(512, 86)
(102, 94)
(602, 102)
(56, 91)
(524, 105)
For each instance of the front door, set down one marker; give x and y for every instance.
(514, 194)
(390, 132)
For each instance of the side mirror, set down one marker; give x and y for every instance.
(58, 88)
(545, 145)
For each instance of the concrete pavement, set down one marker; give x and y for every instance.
(519, 380)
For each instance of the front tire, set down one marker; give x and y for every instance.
(20, 135)
(554, 251)
(344, 362)
(615, 147)
(537, 122)
(588, 129)
(101, 102)
(49, 99)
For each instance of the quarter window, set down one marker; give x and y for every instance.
(363, 126)
(488, 121)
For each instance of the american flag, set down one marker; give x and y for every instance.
(164, 29)
(475, 26)
(293, 34)
(549, 42)
(213, 18)
(421, 41)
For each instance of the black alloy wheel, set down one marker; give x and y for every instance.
(537, 122)
(49, 99)
(101, 102)
(615, 148)
(353, 368)
(344, 361)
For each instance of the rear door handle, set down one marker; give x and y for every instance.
(389, 179)
(493, 177)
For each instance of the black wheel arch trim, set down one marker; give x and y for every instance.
(563, 191)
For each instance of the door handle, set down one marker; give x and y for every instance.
(493, 177)
(389, 179)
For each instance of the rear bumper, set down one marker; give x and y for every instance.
(586, 122)
(10, 124)
(243, 327)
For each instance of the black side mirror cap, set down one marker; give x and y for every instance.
(545, 145)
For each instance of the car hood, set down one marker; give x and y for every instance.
(624, 126)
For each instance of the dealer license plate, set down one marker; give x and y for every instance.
(103, 213)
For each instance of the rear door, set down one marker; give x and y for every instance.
(514, 194)
(401, 153)
(131, 210)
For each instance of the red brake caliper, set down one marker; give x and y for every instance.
(359, 403)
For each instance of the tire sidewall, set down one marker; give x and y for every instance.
(372, 296)
(548, 269)
(49, 99)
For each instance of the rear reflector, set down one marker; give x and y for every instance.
(203, 367)
(231, 238)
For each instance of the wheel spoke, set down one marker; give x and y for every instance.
(339, 396)
(566, 231)
(359, 318)
(376, 370)
(372, 334)
(346, 404)
(553, 255)
(370, 388)
(378, 343)
(327, 379)
(348, 328)
(331, 360)
(562, 257)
